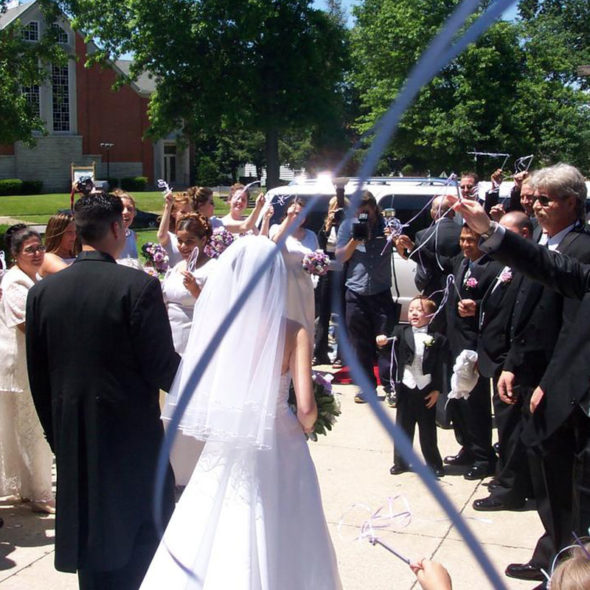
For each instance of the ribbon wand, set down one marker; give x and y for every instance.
(375, 541)
(164, 186)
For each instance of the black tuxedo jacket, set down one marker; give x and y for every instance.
(495, 312)
(434, 355)
(567, 378)
(99, 349)
(462, 332)
(445, 242)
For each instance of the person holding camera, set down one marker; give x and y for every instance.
(327, 239)
(370, 310)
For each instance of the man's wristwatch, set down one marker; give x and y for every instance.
(491, 231)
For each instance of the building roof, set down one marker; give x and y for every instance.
(145, 84)
(13, 12)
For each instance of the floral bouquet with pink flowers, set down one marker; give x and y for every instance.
(156, 257)
(316, 263)
(220, 239)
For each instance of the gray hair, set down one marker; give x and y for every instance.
(563, 180)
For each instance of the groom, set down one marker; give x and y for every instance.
(99, 348)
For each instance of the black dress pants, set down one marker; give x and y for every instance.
(367, 316)
(131, 575)
(412, 411)
(472, 421)
(560, 472)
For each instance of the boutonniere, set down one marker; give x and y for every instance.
(470, 283)
(506, 275)
(428, 342)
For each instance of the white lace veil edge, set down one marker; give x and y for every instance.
(235, 398)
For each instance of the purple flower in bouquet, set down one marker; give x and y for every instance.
(156, 255)
(220, 239)
(471, 283)
(316, 263)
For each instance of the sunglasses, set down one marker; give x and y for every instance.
(34, 249)
(544, 200)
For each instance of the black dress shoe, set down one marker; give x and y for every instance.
(479, 472)
(525, 571)
(321, 359)
(491, 504)
(438, 471)
(397, 469)
(461, 458)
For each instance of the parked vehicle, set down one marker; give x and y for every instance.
(406, 198)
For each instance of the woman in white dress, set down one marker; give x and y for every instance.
(181, 287)
(25, 456)
(235, 221)
(300, 296)
(251, 517)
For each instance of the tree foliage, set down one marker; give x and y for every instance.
(24, 64)
(261, 65)
(514, 91)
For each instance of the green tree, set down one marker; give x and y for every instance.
(24, 64)
(497, 96)
(262, 65)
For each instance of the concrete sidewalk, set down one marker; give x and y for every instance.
(353, 464)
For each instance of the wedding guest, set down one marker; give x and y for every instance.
(418, 376)
(61, 244)
(327, 240)
(182, 286)
(176, 205)
(203, 203)
(235, 221)
(370, 309)
(183, 282)
(300, 296)
(573, 572)
(26, 459)
(129, 212)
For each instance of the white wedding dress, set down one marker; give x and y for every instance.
(250, 519)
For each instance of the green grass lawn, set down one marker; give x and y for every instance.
(39, 208)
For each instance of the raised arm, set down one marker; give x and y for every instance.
(164, 227)
(562, 274)
(238, 227)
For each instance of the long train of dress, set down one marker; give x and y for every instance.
(250, 519)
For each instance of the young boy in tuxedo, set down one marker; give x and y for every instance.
(419, 355)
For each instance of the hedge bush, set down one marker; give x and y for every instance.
(32, 187)
(134, 183)
(11, 186)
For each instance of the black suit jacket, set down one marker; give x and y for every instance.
(434, 355)
(462, 332)
(567, 378)
(495, 312)
(99, 348)
(445, 242)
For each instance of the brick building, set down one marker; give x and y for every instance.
(82, 111)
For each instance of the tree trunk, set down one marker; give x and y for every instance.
(272, 158)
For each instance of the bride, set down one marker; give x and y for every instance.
(251, 517)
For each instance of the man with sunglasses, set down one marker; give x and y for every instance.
(543, 326)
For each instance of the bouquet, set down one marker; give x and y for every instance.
(156, 257)
(316, 263)
(328, 405)
(220, 239)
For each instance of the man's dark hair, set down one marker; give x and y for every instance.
(94, 214)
